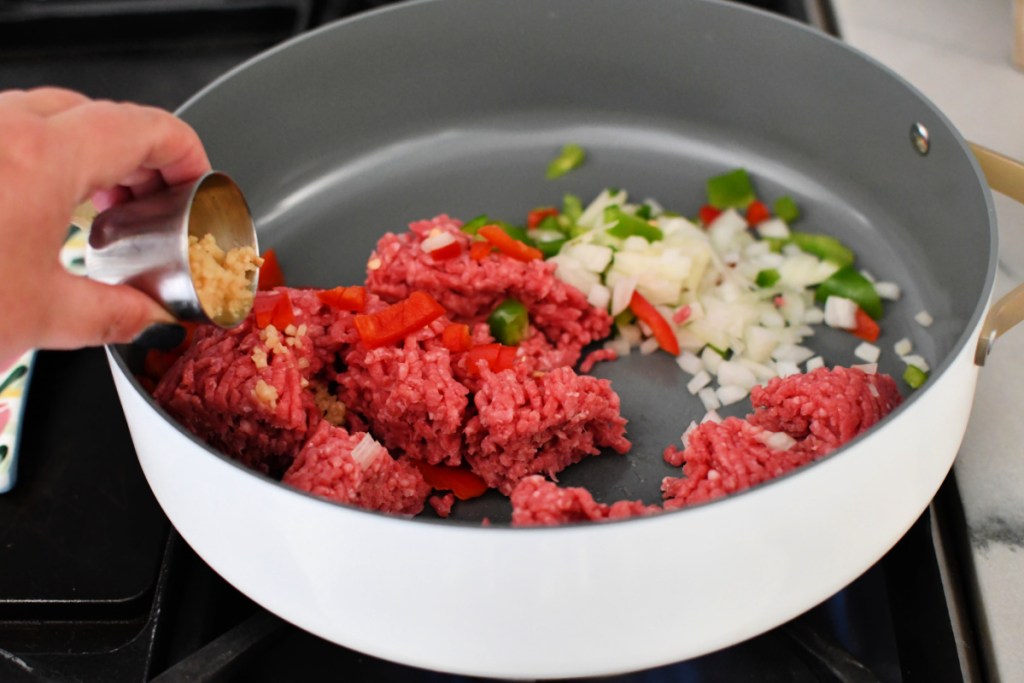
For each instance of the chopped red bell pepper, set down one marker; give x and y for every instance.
(757, 212)
(446, 252)
(270, 272)
(537, 216)
(662, 331)
(498, 356)
(708, 214)
(867, 329)
(459, 480)
(509, 245)
(273, 308)
(456, 337)
(344, 298)
(398, 320)
(480, 250)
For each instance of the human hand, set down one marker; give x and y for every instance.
(57, 149)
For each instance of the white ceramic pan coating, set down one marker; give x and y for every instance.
(456, 106)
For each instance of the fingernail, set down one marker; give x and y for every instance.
(162, 336)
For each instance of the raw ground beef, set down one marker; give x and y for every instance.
(375, 481)
(539, 423)
(442, 504)
(408, 395)
(538, 502)
(819, 411)
(469, 289)
(244, 390)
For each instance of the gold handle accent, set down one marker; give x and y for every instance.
(1005, 176)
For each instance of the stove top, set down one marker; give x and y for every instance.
(95, 585)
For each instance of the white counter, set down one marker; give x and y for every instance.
(959, 54)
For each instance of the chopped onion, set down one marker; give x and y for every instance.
(599, 296)
(785, 368)
(366, 451)
(773, 227)
(917, 361)
(815, 363)
(622, 294)
(711, 416)
(648, 346)
(619, 345)
(779, 441)
(711, 359)
(869, 368)
(840, 312)
(792, 353)
(888, 290)
(699, 381)
(730, 393)
(709, 398)
(903, 347)
(868, 353)
(686, 434)
(437, 240)
(689, 362)
(924, 319)
(735, 374)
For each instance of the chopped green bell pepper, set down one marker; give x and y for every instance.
(731, 190)
(767, 277)
(570, 157)
(473, 226)
(626, 225)
(850, 284)
(914, 376)
(824, 247)
(786, 209)
(509, 322)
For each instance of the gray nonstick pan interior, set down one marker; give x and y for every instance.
(456, 106)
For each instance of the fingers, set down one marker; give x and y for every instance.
(109, 144)
(82, 312)
(43, 102)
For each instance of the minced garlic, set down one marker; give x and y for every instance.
(223, 279)
(265, 393)
(333, 410)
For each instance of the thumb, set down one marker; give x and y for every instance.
(84, 312)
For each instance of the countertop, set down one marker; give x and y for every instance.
(959, 55)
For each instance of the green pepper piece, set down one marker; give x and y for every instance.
(627, 317)
(724, 353)
(644, 211)
(509, 322)
(824, 247)
(731, 190)
(547, 240)
(786, 209)
(572, 207)
(569, 158)
(767, 277)
(850, 284)
(473, 226)
(626, 225)
(914, 376)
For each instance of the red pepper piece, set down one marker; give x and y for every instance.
(708, 214)
(662, 331)
(459, 480)
(867, 329)
(446, 252)
(537, 216)
(273, 308)
(398, 320)
(480, 250)
(757, 212)
(509, 245)
(456, 337)
(498, 356)
(270, 272)
(344, 298)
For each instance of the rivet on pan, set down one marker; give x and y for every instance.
(919, 138)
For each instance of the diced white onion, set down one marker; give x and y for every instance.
(436, 241)
(711, 416)
(888, 290)
(785, 368)
(903, 347)
(814, 316)
(779, 441)
(710, 400)
(840, 312)
(632, 334)
(648, 346)
(917, 361)
(699, 381)
(366, 451)
(730, 393)
(619, 345)
(815, 363)
(735, 374)
(712, 359)
(869, 368)
(773, 227)
(686, 434)
(761, 371)
(868, 276)
(792, 353)
(592, 257)
(924, 319)
(599, 296)
(689, 362)
(867, 352)
(622, 294)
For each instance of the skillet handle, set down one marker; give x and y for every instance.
(1005, 176)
